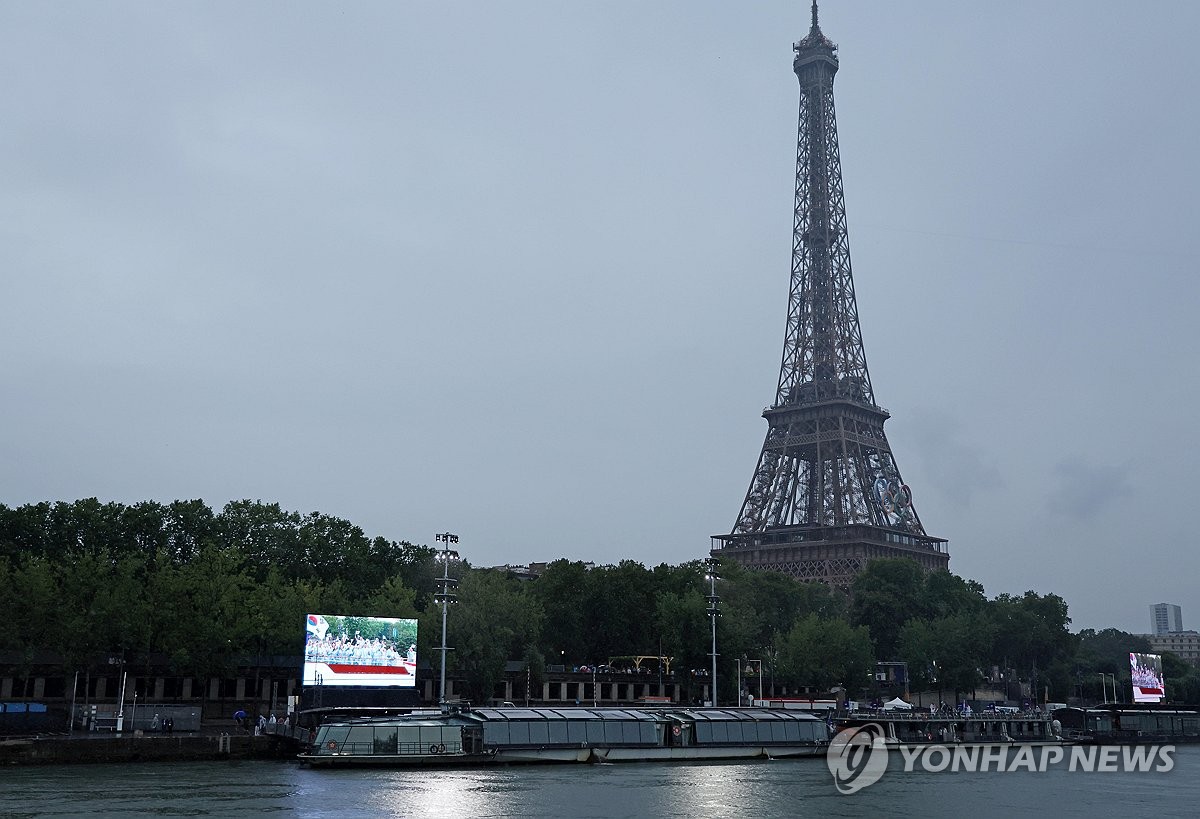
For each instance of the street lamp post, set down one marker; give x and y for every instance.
(1104, 689)
(753, 666)
(445, 597)
(713, 612)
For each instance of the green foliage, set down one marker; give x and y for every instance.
(90, 580)
(825, 652)
(1031, 630)
(1107, 651)
(1182, 679)
(946, 653)
(561, 591)
(535, 668)
(496, 619)
(884, 596)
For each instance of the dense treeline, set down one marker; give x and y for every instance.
(89, 580)
(202, 589)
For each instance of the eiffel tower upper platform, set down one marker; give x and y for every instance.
(826, 495)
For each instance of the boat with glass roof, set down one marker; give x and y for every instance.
(488, 736)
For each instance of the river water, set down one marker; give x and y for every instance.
(785, 788)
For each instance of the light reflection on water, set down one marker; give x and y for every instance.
(800, 788)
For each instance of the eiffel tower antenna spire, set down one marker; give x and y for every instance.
(826, 495)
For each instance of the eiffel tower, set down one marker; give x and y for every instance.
(826, 496)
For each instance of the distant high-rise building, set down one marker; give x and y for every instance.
(1166, 618)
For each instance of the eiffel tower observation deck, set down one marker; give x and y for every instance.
(826, 496)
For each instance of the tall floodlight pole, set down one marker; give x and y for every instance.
(445, 598)
(713, 612)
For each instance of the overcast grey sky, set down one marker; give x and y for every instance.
(519, 270)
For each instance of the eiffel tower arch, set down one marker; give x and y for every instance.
(827, 495)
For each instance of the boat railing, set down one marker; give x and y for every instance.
(944, 716)
(401, 749)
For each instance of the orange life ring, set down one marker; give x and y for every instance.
(433, 748)
(676, 730)
(331, 745)
(441, 748)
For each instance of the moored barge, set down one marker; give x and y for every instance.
(1132, 723)
(489, 736)
(923, 728)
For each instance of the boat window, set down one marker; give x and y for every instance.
(558, 732)
(539, 733)
(753, 733)
(704, 732)
(385, 740)
(495, 733)
(720, 732)
(362, 738)
(576, 732)
(631, 732)
(595, 733)
(649, 733)
(735, 732)
(612, 733)
(518, 733)
(333, 733)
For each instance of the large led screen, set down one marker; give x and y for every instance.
(360, 651)
(1146, 670)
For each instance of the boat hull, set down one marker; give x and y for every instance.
(542, 755)
(397, 760)
(702, 753)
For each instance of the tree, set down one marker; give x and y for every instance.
(886, 595)
(822, 653)
(34, 604)
(1181, 678)
(560, 591)
(946, 594)
(391, 599)
(495, 619)
(1031, 634)
(919, 648)
(214, 589)
(615, 602)
(770, 603)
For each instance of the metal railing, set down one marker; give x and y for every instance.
(385, 749)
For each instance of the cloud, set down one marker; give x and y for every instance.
(1085, 490)
(954, 467)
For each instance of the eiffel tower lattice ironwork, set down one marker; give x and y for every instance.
(826, 496)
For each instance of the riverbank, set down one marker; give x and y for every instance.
(62, 750)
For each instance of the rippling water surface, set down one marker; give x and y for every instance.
(798, 788)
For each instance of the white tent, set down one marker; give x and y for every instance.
(897, 705)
